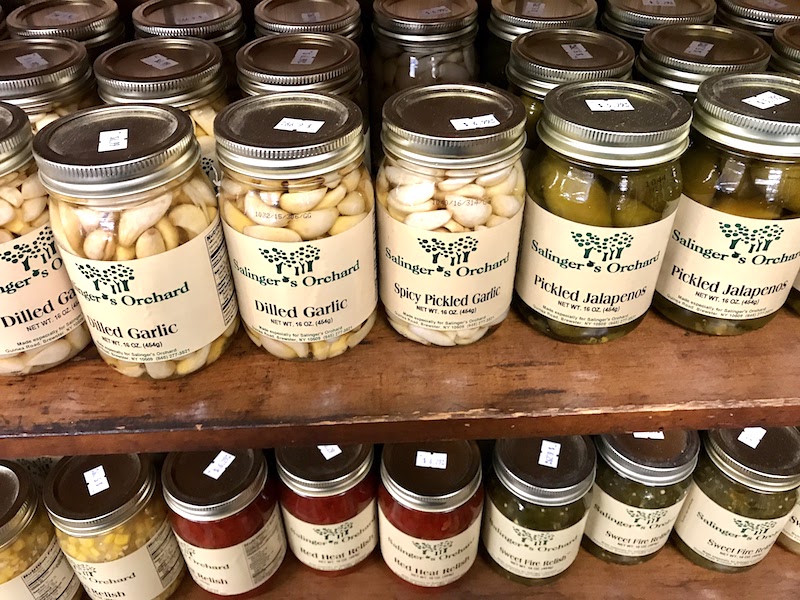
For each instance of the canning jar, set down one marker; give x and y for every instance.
(786, 49)
(450, 193)
(602, 191)
(136, 221)
(642, 481)
(224, 512)
(790, 536)
(429, 510)
(537, 504)
(278, 17)
(298, 211)
(328, 500)
(111, 523)
(757, 16)
(32, 566)
(631, 19)
(735, 248)
(742, 496)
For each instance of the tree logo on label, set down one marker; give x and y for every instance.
(31, 256)
(646, 519)
(434, 551)
(456, 252)
(751, 240)
(750, 529)
(605, 248)
(298, 262)
(334, 535)
(114, 279)
(530, 539)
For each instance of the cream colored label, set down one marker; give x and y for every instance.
(526, 552)
(792, 527)
(142, 575)
(447, 280)
(428, 563)
(158, 308)
(729, 267)
(305, 291)
(724, 537)
(37, 302)
(589, 276)
(49, 578)
(627, 530)
(240, 568)
(797, 283)
(333, 547)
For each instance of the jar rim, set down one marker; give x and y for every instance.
(666, 465)
(18, 501)
(301, 470)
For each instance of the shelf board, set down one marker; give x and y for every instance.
(514, 383)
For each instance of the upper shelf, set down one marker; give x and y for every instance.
(514, 383)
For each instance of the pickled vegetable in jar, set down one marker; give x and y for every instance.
(742, 496)
(786, 49)
(632, 19)
(735, 247)
(329, 504)
(602, 191)
(278, 17)
(761, 17)
(111, 523)
(642, 481)
(136, 221)
(790, 536)
(224, 512)
(537, 504)
(32, 566)
(429, 510)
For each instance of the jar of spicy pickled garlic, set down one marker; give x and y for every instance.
(298, 209)
(111, 522)
(224, 512)
(602, 192)
(735, 248)
(136, 221)
(32, 566)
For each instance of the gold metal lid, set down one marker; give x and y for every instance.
(786, 49)
(510, 18)
(15, 139)
(323, 471)
(275, 17)
(632, 18)
(759, 16)
(218, 21)
(18, 501)
(425, 20)
(90, 21)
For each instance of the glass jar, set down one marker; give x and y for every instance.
(429, 510)
(111, 523)
(224, 512)
(328, 499)
(742, 496)
(790, 536)
(32, 566)
(786, 49)
(794, 295)
(631, 19)
(42, 323)
(642, 481)
(136, 220)
(538, 501)
(298, 210)
(450, 194)
(602, 191)
(728, 268)
(277, 17)
(757, 16)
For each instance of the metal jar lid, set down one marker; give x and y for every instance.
(275, 17)
(760, 16)
(651, 458)
(510, 18)
(18, 501)
(542, 60)
(289, 134)
(425, 20)
(218, 21)
(753, 112)
(768, 461)
(786, 49)
(108, 152)
(3, 28)
(452, 483)
(90, 21)
(15, 138)
(564, 476)
(212, 485)
(174, 71)
(615, 123)
(633, 18)
(323, 471)
(89, 495)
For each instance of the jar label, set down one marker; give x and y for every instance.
(589, 276)
(159, 61)
(699, 48)
(797, 283)
(146, 310)
(49, 578)
(527, 552)
(723, 537)
(38, 302)
(628, 530)
(428, 563)
(333, 547)
(729, 267)
(447, 280)
(792, 528)
(306, 291)
(34, 60)
(241, 568)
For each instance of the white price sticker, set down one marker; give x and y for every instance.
(533, 9)
(32, 60)
(773, 4)
(611, 105)
(96, 480)
(752, 436)
(304, 56)
(431, 460)
(217, 467)
(61, 16)
(192, 19)
(328, 452)
(302, 125)
(311, 17)
(576, 51)
(698, 49)
(766, 100)
(160, 62)
(116, 139)
(649, 435)
(658, 2)
(548, 454)
(436, 11)
(481, 122)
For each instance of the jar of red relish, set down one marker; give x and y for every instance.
(429, 510)
(328, 504)
(224, 512)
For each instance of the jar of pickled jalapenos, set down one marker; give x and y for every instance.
(429, 510)
(278, 17)
(786, 49)
(642, 481)
(298, 209)
(757, 16)
(136, 221)
(224, 512)
(32, 566)
(111, 523)
(537, 505)
(602, 191)
(631, 19)
(742, 496)
(735, 248)
(329, 503)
